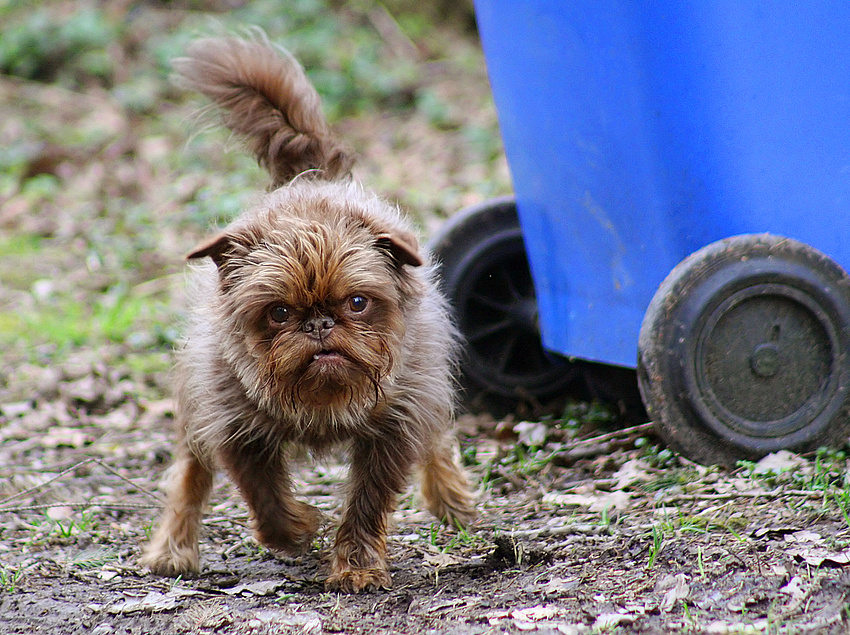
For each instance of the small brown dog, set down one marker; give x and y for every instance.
(317, 322)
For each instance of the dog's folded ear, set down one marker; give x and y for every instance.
(219, 247)
(402, 246)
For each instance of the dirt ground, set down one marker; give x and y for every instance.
(585, 526)
(588, 535)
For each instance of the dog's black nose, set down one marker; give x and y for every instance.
(319, 327)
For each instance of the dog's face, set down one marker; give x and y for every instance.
(312, 305)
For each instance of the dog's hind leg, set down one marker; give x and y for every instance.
(444, 484)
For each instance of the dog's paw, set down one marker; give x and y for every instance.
(358, 563)
(454, 506)
(458, 512)
(294, 534)
(171, 562)
(357, 580)
(445, 488)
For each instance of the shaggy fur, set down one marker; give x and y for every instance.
(315, 322)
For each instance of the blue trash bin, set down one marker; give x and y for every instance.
(638, 135)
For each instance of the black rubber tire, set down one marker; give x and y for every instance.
(486, 277)
(745, 350)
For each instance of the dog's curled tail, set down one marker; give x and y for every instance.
(265, 97)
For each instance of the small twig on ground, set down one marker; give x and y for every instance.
(585, 529)
(115, 506)
(576, 449)
(127, 480)
(393, 35)
(774, 493)
(36, 488)
(625, 432)
(63, 473)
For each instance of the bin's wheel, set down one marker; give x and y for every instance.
(485, 275)
(745, 350)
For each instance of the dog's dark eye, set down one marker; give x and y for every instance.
(357, 303)
(279, 314)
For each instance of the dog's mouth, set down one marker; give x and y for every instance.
(328, 357)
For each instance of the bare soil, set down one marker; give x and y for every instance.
(597, 536)
(584, 526)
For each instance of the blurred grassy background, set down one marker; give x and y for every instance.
(105, 182)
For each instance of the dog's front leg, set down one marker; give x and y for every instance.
(279, 521)
(173, 550)
(380, 467)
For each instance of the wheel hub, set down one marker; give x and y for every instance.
(763, 362)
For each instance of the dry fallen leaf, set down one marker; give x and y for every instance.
(442, 559)
(531, 433)
(631, 472)
(153, 602)
(816, 556)
(556, 586)
(595, 502)
(778, 462)
(264, 587)
(609, 621)
(66, 438)
(794, 589)
(676, 588)
(536, 613)
(60, 512)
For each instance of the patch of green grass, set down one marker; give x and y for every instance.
(19, 244)
(341, 50)
(19, 251)
(656, 536)
(842, 502)
(690, 525)
(604, 517)
(46, 530)
(150, 363)
(73, 323)
(469, 455)
(93, 558)
(691, 622)
(657, 456)
(825, 474)
(253, 550)
(46, 45)
(435, 110)
(148, 529)
(673, 477)
(63, 321)
(592, 414)
(216, 207)
(677, 524)
(701, 564)
(345, 54)
(829, 470)
(10, 578)
(70, 527)
(462, 538)
(535, 451)
(525, 460)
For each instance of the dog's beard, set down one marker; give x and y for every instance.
(320, 391)
(334, 375)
